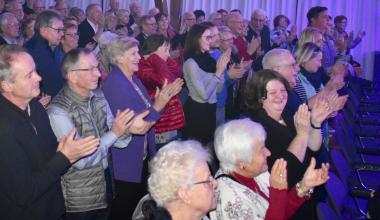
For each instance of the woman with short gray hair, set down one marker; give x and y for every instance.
(123, 89)
(180, 180)
(245, 187)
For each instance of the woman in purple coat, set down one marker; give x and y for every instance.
(123, 89)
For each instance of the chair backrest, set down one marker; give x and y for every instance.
(340, 163)
(338, 193)
(325, 212)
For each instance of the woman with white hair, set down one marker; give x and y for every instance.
(180, 181)
(103, 57)
(246, 189)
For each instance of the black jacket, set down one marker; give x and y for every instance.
(86, 33)
(30, 167)
(48, 64)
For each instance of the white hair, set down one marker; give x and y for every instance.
(173, 168)
(106, 38)
(274, 57)
(259, 12)
(234, 142)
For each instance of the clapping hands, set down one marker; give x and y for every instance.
(278, 175)
(167, 91)
(314, 177)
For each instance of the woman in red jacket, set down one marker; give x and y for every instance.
(156, 68)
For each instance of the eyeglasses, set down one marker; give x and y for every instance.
(293, 65)
(72, 34)
(228, 39)
(238, 22)
(152, 24)
(208, 37)
(92, 69)
(57, 29)
(209, 182)
(259, 20)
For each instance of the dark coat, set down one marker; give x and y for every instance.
(86, 33)
(2, 41)
(48, 64)
(30, 167)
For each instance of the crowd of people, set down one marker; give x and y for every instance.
(226, 118)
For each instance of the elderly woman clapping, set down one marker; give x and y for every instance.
(123, 89)
(180, 181)
(246, 189)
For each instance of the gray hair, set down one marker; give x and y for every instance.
(274, 57)
(173, 168)
(4, 19)
(7, 57)
(106, 38)
(259, 12)
(121, 12)
(234, 142)
(71, 59)
(308, 35)
(119, 46)
(90, 7)
(46, 18)
(222, 30)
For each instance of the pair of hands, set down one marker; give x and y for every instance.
(221, 63)
(124, 122)
(303, 117)
(237, 71)
(127, 122)
(168, 91)
(254, 45)
(44, 99)
(313, 177)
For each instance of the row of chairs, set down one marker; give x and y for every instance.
(356, 163)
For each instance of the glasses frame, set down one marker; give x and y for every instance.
(209, 182)
(57, 29)
(88, 69)
(293, 65)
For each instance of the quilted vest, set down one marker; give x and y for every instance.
(84, 189)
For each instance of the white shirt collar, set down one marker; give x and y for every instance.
(93, 25)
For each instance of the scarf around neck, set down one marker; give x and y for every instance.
(205, 62)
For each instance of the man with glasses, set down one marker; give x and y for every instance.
(80, 105)
(42, 47)
(148, 27)
(258, 29)
(69, 40)
(283, 62)
(187, 22)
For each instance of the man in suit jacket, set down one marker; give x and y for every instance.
(42, 46)
(148, 27)
(257, 28)
(9, 28)
(92, 27)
